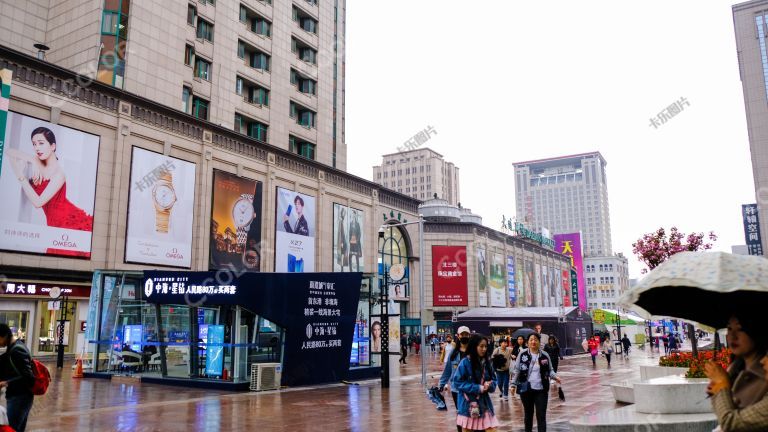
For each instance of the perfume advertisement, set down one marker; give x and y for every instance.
(294, 232)
(160, 210)
(348, 230)
(235, 223)
(47, 188)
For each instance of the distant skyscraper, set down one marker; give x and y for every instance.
(420, 174)
(566, 194)
(750, 23)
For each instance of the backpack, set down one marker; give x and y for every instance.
(39, 371)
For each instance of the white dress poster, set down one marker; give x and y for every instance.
(160, 210)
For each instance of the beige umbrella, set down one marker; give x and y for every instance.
(705, 287)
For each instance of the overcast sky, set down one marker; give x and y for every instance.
(509, 81)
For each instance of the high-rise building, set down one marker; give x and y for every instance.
(566, 194)
(750, 23)
(272, 70)
(421, 174)
(607, 279)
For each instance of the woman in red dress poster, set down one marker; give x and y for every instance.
(46, 186)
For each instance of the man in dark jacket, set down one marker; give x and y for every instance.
(17, 378)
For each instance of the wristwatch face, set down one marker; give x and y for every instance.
(242, 212)
(164, 196)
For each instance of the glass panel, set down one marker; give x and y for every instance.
(109, 23)
(176, 334)
(112, 5)
(18, 322)
(243, 13)
(239, 86)
(191, 15)
(123, 26)
(240, 49)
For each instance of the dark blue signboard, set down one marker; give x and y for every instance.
(317, 311)
(752, 229)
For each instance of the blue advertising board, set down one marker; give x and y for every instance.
(316, 310)
(752, 229)
(214, 351)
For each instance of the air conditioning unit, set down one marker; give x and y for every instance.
(265, 376)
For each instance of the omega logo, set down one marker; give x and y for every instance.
(174, 254)
(64, 242)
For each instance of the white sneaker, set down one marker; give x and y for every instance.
(506, 398)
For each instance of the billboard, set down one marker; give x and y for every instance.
(752, 229)
(482, 278)
(570, 246)
(6, 75)
(530, 300)
(539, 296)
(521, 302)
(511, 281)
(294, 232)
(565, 292)
(348, 232)
(498, 297)
(449, 276)
(235, 223)
(47, 187)
(160, 210)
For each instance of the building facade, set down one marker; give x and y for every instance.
(566, 194)
(147, 186)
(607, 279)
(750, 23)
(273, 71)
(421, 174)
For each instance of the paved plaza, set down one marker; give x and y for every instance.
(101, 405)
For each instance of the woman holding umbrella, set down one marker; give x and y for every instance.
(739, 395)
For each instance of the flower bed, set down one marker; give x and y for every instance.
(695, 365)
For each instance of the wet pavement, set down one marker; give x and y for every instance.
(101, 405)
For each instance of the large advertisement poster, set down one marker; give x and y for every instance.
(511, 281)
(295, 232)
(235, 223)
(449, 276)
(498, 298)
(554, 287)
(47, 188)
(482, 278)
(160, 210)
(752, 229)
(530, 301)
(539, 297)
(6, 75)
(565, 290)
(521, 302)
(570, 246)
(348, 231)
(545, 286)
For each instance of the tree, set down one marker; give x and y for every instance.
(654, 248)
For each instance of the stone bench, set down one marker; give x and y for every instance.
(626, 419)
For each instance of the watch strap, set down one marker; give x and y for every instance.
(162, 219)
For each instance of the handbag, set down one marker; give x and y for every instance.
(522, 387)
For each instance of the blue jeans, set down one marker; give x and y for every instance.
(502, 381)
(18, 411)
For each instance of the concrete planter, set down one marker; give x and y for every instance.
(672, 395)
(651, 372)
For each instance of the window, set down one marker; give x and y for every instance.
(186, 94)
(258, 95)
(204, 30)
(243, 14)
(312, 2)
(109, 23)
(239, 124)
(257, 130)
(202, 69)
(210, 2)
(304, 85)
(304, 116)
(189, 55)
(301, 147)
(239, 86)
(260, 61)
(303, 51)
(191, 15)
(200, 108)
(309, 25)
(240, 49)
(261, 26)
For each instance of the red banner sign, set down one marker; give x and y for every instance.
(43, 289)
(449, 276)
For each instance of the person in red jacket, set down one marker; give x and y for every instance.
(593, 346)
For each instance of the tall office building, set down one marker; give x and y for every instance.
(272, 70)
(566, 194)
(750, 23)
(420, 174)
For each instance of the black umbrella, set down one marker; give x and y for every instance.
(705, 287)
(524, 332)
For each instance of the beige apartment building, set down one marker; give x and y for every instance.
(750, 23)
(272, 70)
(420, 174)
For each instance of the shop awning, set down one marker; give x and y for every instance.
(516, 313)
(608, 316)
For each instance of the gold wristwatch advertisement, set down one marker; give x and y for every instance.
(160, 210)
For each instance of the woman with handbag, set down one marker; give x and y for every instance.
(474, 380)
(531, 378)
(607, 349)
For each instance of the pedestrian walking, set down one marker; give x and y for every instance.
(519, 345)
(607, 348)
(17, 378)
(403, 349)
(502, 360)
(417, 343)
(474, 380)
(433, 343)
(447, 348)
(543, 336)
(740, 395)
(673, 345)
(452, 361)
(531, 378)
(553, 349)
(665, 340)
(593, 346)
(626, 344)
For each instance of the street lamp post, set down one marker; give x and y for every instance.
(384, 316)
(385, 298)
